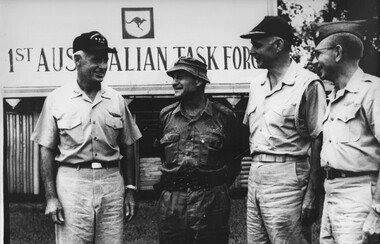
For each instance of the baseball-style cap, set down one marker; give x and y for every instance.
(191, 65)
(271, 26)
(92, 41)
(323, 30)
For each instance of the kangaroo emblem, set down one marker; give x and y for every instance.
(138, 21)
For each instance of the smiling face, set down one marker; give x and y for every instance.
(264, 51)
(185, 84)
(92, 67)
(325, 55)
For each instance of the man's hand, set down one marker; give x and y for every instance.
(310, 208)
(55, 211)
(371, 228)
(130, 204)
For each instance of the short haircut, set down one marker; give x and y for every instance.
(287, 46)
(80, 53)
(352, 45)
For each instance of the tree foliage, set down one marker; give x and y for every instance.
(301, 13)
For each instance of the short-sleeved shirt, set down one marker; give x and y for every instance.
(85, 130)
(285, 119)
(351, 127)
(205, 143)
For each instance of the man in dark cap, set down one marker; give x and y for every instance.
(86, 129)
(284, 114)
(350, 153)
(202, 144)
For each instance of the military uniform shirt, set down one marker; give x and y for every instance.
(205, 143)
(351, 128)
(85, 130)
(285, 119)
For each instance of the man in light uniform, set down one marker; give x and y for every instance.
(284, 114)
(86, 129)
(351, 133)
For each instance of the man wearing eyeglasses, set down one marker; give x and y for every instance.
(202, 142)
(350, 153)
(284, 114)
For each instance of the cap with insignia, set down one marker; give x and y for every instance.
(91, 42)
(272, 26)
(323, 30)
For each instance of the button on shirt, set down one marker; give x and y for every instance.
(351, 127)
(283, 120)
(205, 143)
(85, 130)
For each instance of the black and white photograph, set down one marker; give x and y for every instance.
(190, 122)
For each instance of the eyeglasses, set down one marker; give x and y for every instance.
(318, 52)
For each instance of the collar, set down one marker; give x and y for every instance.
(353, 84)
(77, 91)
(289, 77)
(207, 109)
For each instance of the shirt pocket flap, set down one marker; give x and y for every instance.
(115, 123)
(212, 141)
(348, 113)
(286, 111)
(169, 138)
(67, 124)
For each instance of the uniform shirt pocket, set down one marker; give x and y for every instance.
(170, 142)
(114, 122)
(287, 111)
(71, 132)
(283, 118)
(347, 127)
(113, 127)
(211, 150)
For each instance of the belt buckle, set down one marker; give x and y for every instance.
(96, 165)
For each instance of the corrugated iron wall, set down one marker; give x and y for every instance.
(22, 155)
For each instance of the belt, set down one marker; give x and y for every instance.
(331, 173)
(263, 157)
(193, 182)
(91, 165)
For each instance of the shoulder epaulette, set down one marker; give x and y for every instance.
(223, 109)
(166, 110)
(371, 78)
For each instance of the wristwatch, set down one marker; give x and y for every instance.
(376, 207)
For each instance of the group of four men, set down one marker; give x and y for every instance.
(87, 128)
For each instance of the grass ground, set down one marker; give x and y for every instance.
(29, 225)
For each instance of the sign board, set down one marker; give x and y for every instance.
(149, 35)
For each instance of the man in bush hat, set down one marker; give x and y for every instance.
(85, 128)
(202, 141)
(350, 153)
(284, 114)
